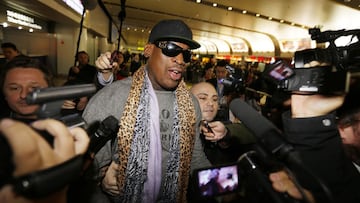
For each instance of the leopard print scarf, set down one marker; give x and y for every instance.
(133, 141)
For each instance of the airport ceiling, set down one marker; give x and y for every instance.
(259, 23)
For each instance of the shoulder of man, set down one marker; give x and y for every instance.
(110, 100)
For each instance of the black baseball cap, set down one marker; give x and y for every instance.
(173, 30)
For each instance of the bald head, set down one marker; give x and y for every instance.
(208, 99)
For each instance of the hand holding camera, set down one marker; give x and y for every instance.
(31, 153)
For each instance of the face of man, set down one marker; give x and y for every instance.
(120, 59)
(83, 59)
(9, 53)
(220, 72)
(208, 100)
(165, 72)
(17, 84)
(350, 136)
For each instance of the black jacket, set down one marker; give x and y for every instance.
(320, 147)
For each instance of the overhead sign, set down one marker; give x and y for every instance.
(22, 19)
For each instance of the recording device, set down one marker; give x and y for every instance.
(51, 99)
(320, 79)
(235, 81)
(36, 184)
(342, 65)
(215, 181)
(342, 57)
(249, 174)
(271, 141)
(102, 133)
(268, 136)
(206, 124)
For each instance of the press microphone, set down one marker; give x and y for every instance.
(268, 135)
(105, 131)
(50, 94)
(100, 133)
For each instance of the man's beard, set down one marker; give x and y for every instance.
(353, 153)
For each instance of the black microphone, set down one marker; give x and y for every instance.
(106, 130)
(100, 133)
(50, 94)
(270, 137)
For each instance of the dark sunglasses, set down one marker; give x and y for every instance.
(170, 49)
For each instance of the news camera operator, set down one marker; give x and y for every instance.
(311, 128)
(315, 152)
(32, 156)
(318, 85)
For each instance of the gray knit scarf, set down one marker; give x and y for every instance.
(135, 131)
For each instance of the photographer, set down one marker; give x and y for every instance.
(19, 77)
(321, 136)
(31, 153)
(320, 147)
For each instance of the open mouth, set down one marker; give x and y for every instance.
(175, 74)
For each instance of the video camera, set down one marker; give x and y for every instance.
(235, 80)
(248, 178)
(340, 65)
(35, 185)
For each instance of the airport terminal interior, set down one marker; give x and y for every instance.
(243, 31)
(278, 76)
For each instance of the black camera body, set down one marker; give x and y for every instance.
(342, 57)
(335, 77)
(320, 79)
(235, 81)
(50, 101)
(247, 178)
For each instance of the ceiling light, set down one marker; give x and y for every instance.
(230, 8)
(270, 18)
(198, 1)
(31, 30)
(20, 27)
(214, 4)
(244, 11)
(5, 24)
(257, 15)
(281, 21)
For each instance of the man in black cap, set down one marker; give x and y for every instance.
(158, 141)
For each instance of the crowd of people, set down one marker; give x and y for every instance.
(167, 131)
